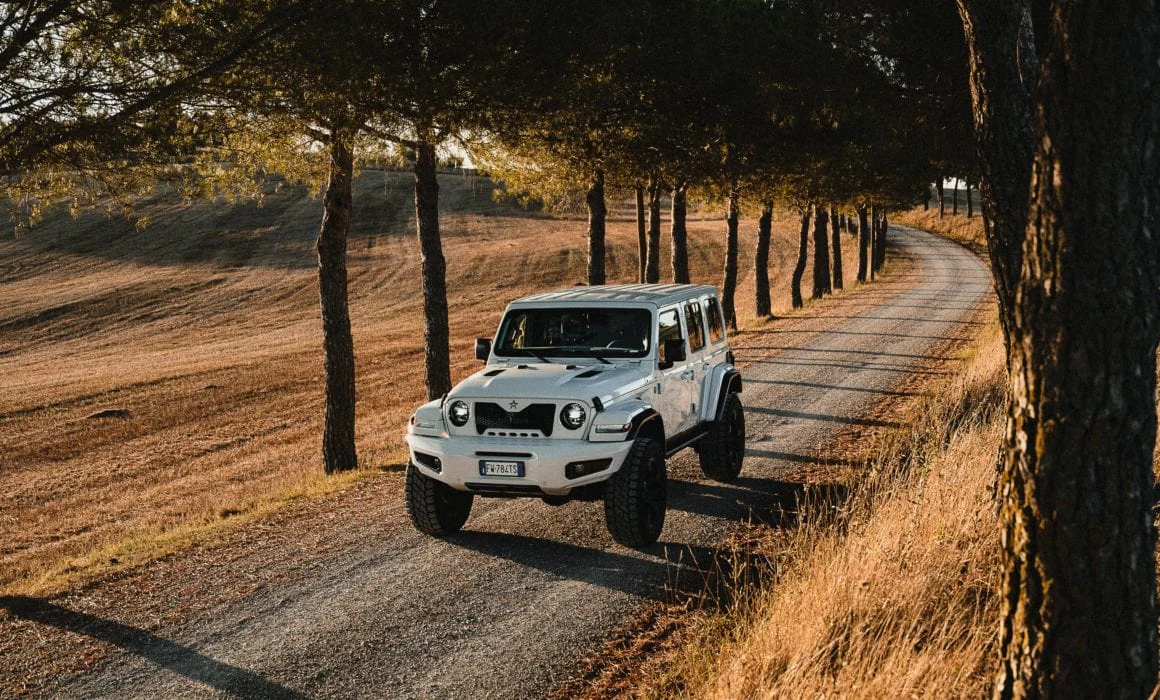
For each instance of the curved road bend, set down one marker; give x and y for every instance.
(508, 607)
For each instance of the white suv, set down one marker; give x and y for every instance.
(586, 391)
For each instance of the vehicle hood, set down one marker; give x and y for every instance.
(554, 381)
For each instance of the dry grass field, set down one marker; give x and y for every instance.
(200, 334)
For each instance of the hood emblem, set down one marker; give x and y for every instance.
(514, 405)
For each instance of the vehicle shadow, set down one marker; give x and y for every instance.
(657, 572)
(667, 570)
(163, 652)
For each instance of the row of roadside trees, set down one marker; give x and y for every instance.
(744, 104)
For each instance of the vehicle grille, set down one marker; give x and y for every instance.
(536, 416)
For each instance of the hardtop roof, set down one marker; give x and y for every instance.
(659, 294)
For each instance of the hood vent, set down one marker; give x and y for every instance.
(587, 374)
(493, 372)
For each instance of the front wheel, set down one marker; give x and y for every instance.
(723, 448)
(635, 497)
(435, 508)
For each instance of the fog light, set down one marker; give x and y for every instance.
(575, 470)
(430, 461)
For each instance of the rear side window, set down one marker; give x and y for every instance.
(716, 320)
(695, 325)
(670, 327)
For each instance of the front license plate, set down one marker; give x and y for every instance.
(489, 468)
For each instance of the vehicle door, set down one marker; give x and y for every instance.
(698, 356)
(673, 393)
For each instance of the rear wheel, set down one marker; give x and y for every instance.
(635, 497)
(722, 450)
(435, 508)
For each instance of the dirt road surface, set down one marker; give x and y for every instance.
(509, 606)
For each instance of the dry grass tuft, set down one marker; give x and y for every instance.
(889, 593)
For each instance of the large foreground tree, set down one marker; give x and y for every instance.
(1082, 327)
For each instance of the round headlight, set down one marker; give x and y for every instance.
(459, 412)
(572, 416)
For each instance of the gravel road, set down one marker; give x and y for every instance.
(508, 607)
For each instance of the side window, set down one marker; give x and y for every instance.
(670, 327)
(716, 321)
(695, 325)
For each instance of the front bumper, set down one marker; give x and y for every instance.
(544, 462)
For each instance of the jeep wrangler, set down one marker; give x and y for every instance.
(584, 394)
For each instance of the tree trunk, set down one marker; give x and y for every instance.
(338, 452)
(836, 246)
(970, 203)
(761, 260)
(729, 285)
(1001, 49)
(642, 240)
(942, 205)
(596, 216)
(821, 254)
(434, 270)
(653, 270)
(955, 199)
(874, 223)
(863, 243)
(926, 200)
(799, 270)
(1079, 585)
(879, 257)
(680, 253)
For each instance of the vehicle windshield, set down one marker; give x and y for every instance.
(575, 332)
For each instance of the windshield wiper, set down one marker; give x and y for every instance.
(595, 352)
(538, 356)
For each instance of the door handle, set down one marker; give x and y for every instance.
(688, 374)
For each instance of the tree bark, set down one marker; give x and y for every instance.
(437, 358)
(642, 240)
(821, 254)
(942, 204)
(680, 252)
(955, 199)
(729, 285)
(970, 202)
(836, 246)
(653, 270)
(338, 451)
(597, 212)
(1079, 587)
(863, 243)
(761, 260)
(1001, 49)
(799, 270)
(873, 250)
(879, 257)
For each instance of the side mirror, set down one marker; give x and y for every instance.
(674, 351)
(482, 348)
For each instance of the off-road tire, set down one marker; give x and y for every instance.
(722, 450)
(435, 508)
(635, 497)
